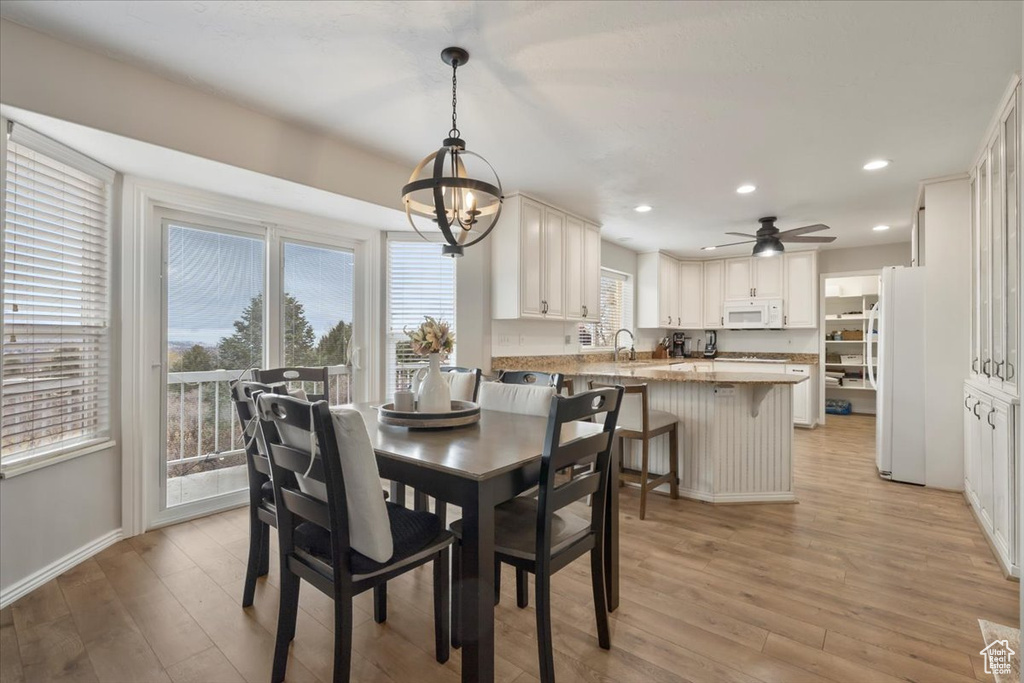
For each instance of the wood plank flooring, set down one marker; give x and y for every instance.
(863, 580)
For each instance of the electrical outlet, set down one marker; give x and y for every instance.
(725, 392)
(522, 340)
(568, 339)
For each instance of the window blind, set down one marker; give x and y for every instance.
(420, 282)
(616, 311)
(54, 331)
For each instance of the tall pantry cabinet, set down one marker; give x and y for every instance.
(991, 393)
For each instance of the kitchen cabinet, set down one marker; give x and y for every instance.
(995, 275)
(990, 469)
(738, 279)
(545, 263)
(657, 282)
(800, 293)
(690, 300)
(805, 396)
(754, 277)
(714, 294)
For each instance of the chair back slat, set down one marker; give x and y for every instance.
(307, 507)
(287, 377)
(257, 465)
(542, 379)
(296, 461)
(557, 456)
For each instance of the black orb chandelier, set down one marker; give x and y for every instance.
(465, 208)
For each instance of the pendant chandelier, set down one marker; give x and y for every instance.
(464, 208)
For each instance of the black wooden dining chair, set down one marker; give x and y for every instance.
(302, 376)
(314, 534)
(262, 511)
(538, 536)
(544, 379)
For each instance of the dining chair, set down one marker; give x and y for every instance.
(464, 382)
(552, 379)
(289, 376)
(538, 535)
(262, 511)
(524, 399)
(351, 541)
(639, 422)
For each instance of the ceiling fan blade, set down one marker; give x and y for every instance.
(791, 239)
(732, 244)
(742, 234)
(807, 228)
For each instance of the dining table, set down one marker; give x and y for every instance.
(477, 467)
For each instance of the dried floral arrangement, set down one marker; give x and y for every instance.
(432, 336)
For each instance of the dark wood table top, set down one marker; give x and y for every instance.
(498, 443)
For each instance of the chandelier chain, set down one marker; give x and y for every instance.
(454, 132)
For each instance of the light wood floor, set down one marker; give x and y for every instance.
(864, 580)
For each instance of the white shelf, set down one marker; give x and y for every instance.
(844, 341)
(850, 365)
(832, 388)
(838, 318)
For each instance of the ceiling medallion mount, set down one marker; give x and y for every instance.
(440, 188)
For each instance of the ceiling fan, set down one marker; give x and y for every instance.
(768, 239)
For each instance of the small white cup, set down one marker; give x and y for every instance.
(405, 402)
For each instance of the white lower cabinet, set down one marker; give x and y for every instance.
(805, 397)
(990, 470)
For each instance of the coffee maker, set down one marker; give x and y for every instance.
(680, 345)
(711, 345)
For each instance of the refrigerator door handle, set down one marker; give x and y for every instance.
(870, 359)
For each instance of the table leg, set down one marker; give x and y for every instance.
(611, 529)
(478, 589)
(398, 493)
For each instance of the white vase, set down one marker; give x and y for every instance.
(434, 395)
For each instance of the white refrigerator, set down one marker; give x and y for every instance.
(898, 378)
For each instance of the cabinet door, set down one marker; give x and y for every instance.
(984, 474)
(574, 268)
(984, 271)
(591, 272)
(975, 274)
(714, 294)
(997, 254)
(970, 454)
(691, 297)
(767, 272)
(801, 295)
(531, 280)
(1002, 478)
(738, 283)
(1011, 217)
(668, 291)
(801, 395)
(554, 264)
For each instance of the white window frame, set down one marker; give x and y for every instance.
(629, 321)
(21, 464)
(409, 237)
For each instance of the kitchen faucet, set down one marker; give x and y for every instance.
(632, 349)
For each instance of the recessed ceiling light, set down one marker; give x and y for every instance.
(876, 164)
(708, 248)
(880, 228)
(625, 239)
(643, 208)
(746, 189)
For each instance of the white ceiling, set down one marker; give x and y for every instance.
(599, 107)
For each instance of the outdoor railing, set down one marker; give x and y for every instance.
(201, 422)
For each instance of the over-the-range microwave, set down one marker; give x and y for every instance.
(752, 314)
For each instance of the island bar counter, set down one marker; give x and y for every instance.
(736, 428)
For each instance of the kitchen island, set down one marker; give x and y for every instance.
(736, 437)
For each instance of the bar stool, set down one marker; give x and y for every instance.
(637, 421)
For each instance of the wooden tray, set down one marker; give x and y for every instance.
(462, 413)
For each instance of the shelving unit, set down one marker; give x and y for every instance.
(848, 302)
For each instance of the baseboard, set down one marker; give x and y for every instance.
(51, 571)
(739, 498)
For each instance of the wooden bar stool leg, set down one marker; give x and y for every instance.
(622, 459)
(646, 451)
(673, 456)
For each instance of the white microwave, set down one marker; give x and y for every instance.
(753, 314)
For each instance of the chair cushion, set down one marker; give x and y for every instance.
(631, 417)
(515, 528)
(462, 385)
(523, 399)
(412, 531)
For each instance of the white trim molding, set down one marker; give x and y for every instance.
(739, 498)
(51, 571)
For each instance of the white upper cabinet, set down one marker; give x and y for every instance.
(657, 282)
(690, 300)
(738, 279)
(545, 263)
(767, 280)
(714, 294)
(574, 268)
(800, 306)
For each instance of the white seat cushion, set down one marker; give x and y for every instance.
(369, 528)
(523, 399)
(631, 415)
(462, 385)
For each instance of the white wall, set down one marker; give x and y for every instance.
(863, 258)
(947, 333)
(473, 306)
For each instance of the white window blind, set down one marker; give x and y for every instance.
(616, 311)
(54, 331)
(420, 282)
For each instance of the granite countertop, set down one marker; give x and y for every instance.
(656, 370)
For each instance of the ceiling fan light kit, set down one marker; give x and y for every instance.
(769, 240)
(464, 208)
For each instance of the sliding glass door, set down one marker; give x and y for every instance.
(236, 297)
